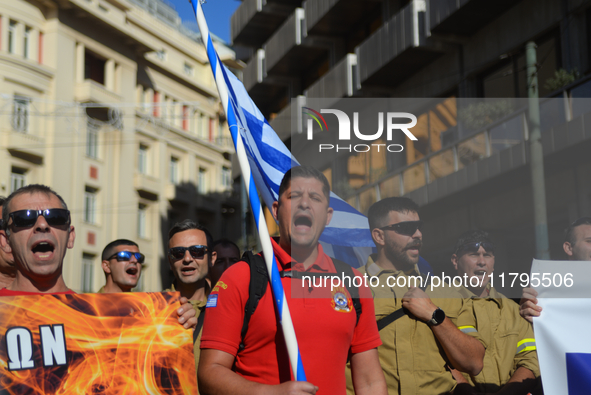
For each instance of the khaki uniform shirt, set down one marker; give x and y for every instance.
(411, 358)
(510, 340)
(199, 306)
(102, 290)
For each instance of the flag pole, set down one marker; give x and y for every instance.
(255, 203)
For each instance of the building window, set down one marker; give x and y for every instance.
(188, 69)
(202, 181)
(87, 272)
(226, 178)
(174, 170)
(11, 36)
(20, 114)
(142, 221)
(156, 104)
(90, 195)
(94, 68)
(200, 129)
(92, 140)
(27, 42)
(40, 48)
(17, 178)
(185, 118)
(161, 55)
(142, 159)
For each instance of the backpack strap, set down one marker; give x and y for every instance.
(199, 325)
(401, 312)
(256, 289)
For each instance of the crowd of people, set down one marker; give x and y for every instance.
(385, 337)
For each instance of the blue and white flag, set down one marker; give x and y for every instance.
(347, 237)
(562, 330)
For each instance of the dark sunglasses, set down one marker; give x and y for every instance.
(197, 252)
(407, 228)
(28, 218)
(126, 256)
(474, 247)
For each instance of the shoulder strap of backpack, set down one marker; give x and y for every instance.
(401, 312)
(199, 325)
(256, 289)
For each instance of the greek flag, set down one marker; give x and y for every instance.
(347, 237)
(562, 330)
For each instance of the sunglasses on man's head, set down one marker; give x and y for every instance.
(475, 246)
(126, 256)
(197, 252)
(28, 218)
(407, 228)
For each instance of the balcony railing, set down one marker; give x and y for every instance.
(338, 82)
(386, 47)
(254, 72)
(285, 38)
(502, 145)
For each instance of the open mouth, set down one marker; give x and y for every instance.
(132, 270)
(43, 249)
(302, 220)
(188, 271)
(480, 273)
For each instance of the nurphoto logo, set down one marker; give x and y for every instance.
(344, 133)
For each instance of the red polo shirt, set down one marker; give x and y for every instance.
(326, 332)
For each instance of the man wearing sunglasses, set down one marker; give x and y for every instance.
(7, 269)
(190, 255)
(37, 232)
(327, 333)
(418, 328)
(122, 263)
(510, 361)
(577, 247)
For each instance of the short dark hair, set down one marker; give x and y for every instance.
(109, 250)
(225, 243)
(472, 236)
(569, 232)
(304, 172)
(379, 211)
(30, 189)
(189, 224)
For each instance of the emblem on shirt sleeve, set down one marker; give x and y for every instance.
(340, 300)
(212, 301)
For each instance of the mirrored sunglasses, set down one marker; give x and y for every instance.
(126, 256)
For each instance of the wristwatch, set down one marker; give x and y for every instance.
(438, 317)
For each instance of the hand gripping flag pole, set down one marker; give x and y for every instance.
(233, 112)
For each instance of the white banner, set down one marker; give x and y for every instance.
(562, 330)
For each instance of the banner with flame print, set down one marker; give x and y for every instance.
(95, 344)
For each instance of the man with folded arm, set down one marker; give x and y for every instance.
(421, 341)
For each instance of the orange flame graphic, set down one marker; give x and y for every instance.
(116, 344)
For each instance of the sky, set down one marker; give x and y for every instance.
(217, 13)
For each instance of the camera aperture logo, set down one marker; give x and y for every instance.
(345, 130)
